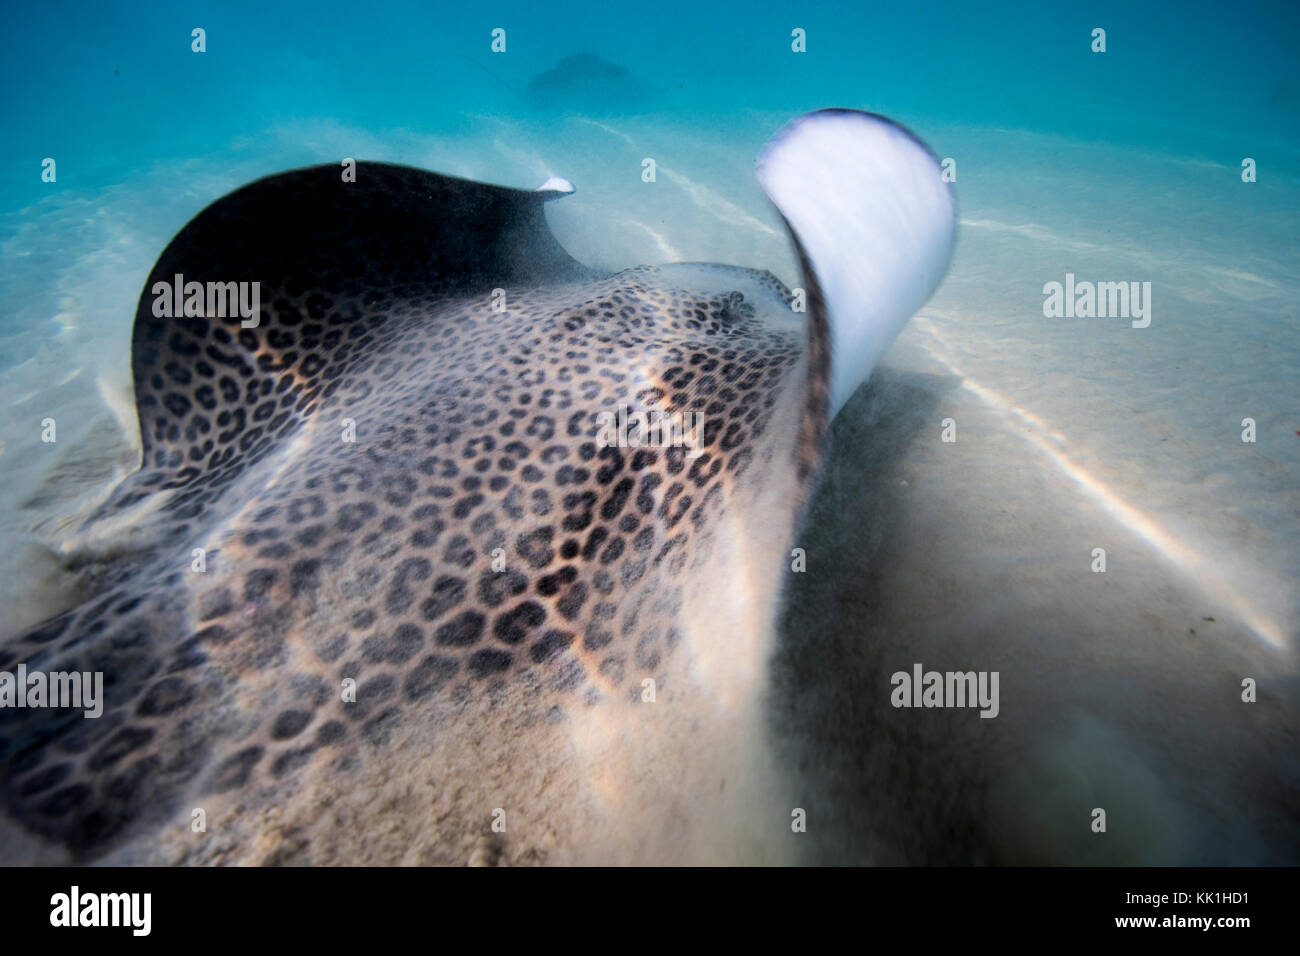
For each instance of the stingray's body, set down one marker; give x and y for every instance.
(382, 594)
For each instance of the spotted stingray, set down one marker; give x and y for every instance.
(383, 593)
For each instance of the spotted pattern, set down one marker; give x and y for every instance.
(399, 490)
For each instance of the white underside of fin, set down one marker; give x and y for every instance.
(557, 185)
(868, 202)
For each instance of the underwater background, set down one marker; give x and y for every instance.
(1119, 689)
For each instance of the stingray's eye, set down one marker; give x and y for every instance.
(731, 306)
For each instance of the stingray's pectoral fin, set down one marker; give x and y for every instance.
(876, 222)
(324, 261)
(255, 313)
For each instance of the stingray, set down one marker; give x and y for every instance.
(379, 589)
(586, 81)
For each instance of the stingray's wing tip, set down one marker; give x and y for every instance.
(869, 203)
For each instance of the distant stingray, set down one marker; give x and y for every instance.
(589, 83)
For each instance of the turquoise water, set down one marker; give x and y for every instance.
(113, 89)
(1115, 166)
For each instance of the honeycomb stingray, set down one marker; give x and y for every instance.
(381, 592)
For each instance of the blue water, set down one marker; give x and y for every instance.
(112, 89)
(1122, 165)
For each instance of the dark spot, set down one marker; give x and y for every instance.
(304, 576)
(613, 552)
(215, 603)
(485, 663)
(165, 697)
(234, 771)
(513, 626)
(119, 745)
(535, 547)
(331, 649)
(353, 516)
(462, 630)
(447, 593)
(65, 801)
(612, 667)
(550, 584)
(617, 499)
(331, 732)
(571, 604)
(374, 691)
(429, 676)
(289, 724)
(291, 760)
(494, 587)
(647, 653)
(459, 552)
(47, 778)
(407, 639)
(378, 730)
(550, 644)
(258, 583)
(400, 597)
